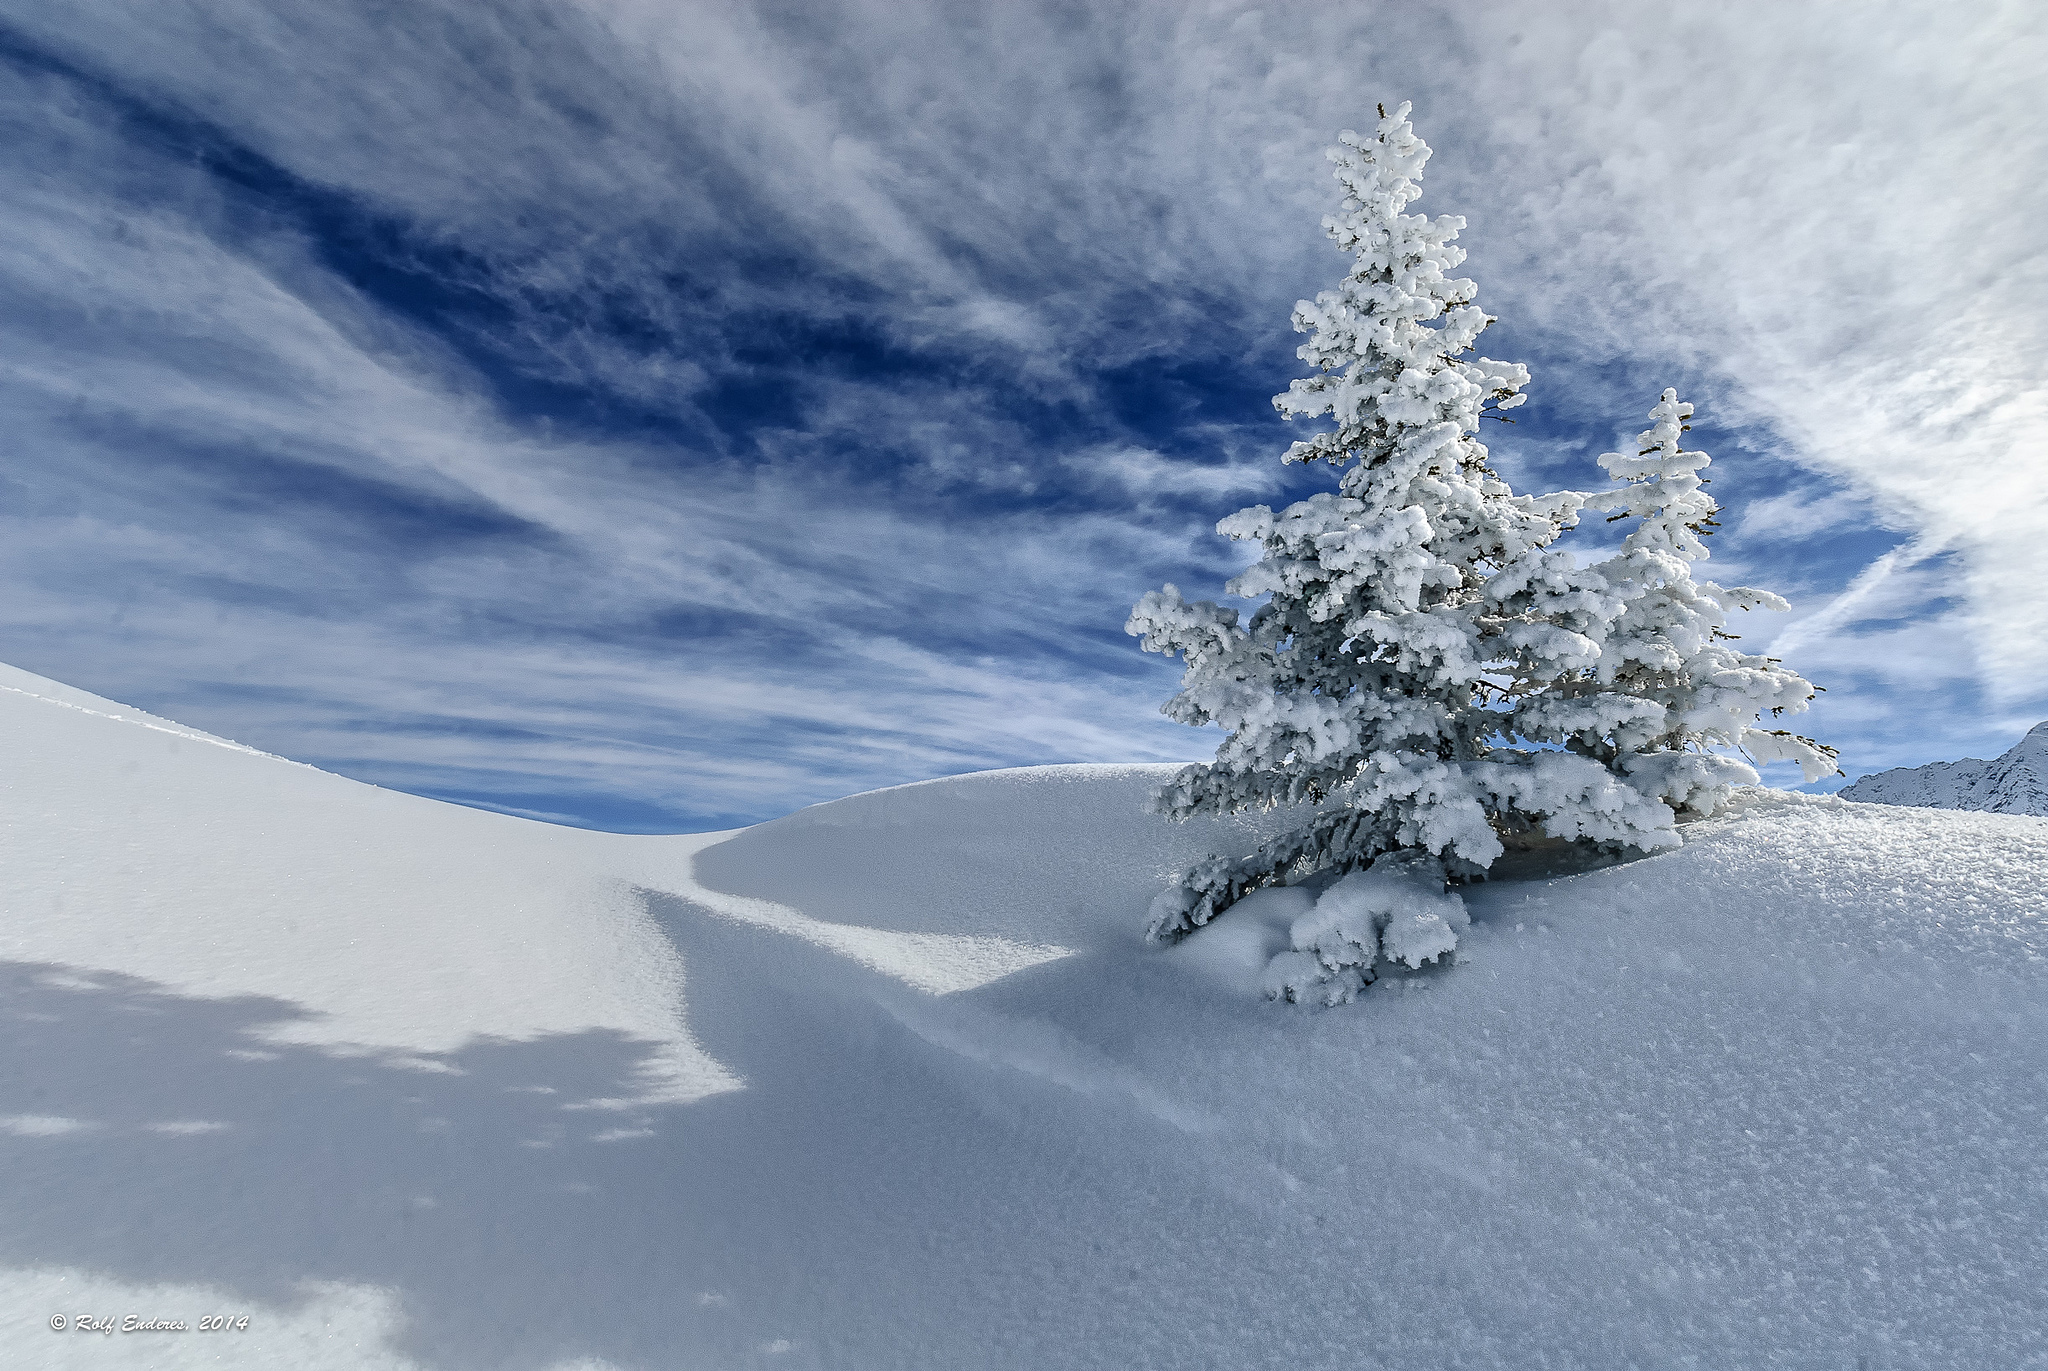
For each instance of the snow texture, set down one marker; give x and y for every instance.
(893, 1083)
(2014, 783)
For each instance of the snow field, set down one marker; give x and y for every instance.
(394, 926)
(894, 1082)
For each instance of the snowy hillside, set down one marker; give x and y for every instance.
(2015, 783)
(893, 1082)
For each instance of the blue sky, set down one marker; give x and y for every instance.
(665, 416)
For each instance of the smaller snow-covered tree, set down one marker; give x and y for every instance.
(1665, 690)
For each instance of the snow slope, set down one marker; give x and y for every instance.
(893, 1083)
(2015, 783)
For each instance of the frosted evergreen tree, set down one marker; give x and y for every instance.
(1665, 690)
(1418, 619)
(1360, 686)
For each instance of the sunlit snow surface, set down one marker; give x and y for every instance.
(893, 1083)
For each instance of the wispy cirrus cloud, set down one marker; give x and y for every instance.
(672, 415)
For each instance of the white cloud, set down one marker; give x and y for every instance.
(1838, 213)
(1142, 473)
(43, 1125)
(1800, 513)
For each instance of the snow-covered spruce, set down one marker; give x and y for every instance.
(1664, 688)
(1358, 687)
(1419, 625)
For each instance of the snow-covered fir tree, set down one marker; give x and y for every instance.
(1419, 624)
(1664, 689)
(1360, 686)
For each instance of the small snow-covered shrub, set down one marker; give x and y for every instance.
(1397, 911)
(1429, 672)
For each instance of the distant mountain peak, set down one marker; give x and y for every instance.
(2014, 783)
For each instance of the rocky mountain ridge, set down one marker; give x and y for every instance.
(2014, 783)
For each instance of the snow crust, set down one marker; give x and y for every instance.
(2014, 783)
(895, 1082)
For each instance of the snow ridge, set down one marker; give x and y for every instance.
(154, 724)
(2015, 783)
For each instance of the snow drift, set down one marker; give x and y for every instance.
(2014, 783)
(894, 1082)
